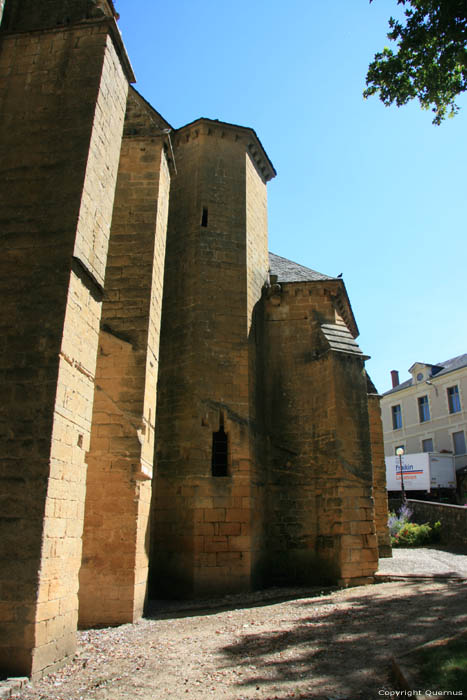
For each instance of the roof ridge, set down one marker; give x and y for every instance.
(442, 364)
(451, 365)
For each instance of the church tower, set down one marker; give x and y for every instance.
(205, 524)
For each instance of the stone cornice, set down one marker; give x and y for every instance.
(335, 290)
(344, 306)
(214, 127)
(114, 32)
(112, 29)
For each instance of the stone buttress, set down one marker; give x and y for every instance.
(114, 571)
(63, 85)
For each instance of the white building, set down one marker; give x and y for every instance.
(428, 413)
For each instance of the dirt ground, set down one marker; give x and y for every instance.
(321, 644)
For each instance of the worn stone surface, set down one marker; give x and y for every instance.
(27, 15)
(202, 526)
(320, 512)
(453, 520)
(54, 251)
(262, 373)
(297, 501)
(115, 545)
(380, 493)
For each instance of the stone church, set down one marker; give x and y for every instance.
(135, 263)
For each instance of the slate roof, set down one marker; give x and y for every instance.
(341, 340)
(399, 387)
(370, 387)
(158, 115)
(438, 369)
(289, 271)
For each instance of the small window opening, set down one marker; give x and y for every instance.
(204, 217)
(396, 417)
(220, 450)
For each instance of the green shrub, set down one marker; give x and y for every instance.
(407, 534)
(412, 535)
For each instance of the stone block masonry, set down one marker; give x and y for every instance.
(204, 388)
(379, 475)
(261, 462)
(56, 205)
(30, 15)
(120, 462)
(453, 520)
(318, 490)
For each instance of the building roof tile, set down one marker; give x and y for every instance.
(439, 369)
(340, 339)
(289, 271)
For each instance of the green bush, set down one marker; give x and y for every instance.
(407, 534)
(412, 535)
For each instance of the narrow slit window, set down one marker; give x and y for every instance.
(220, 450)
(204, 217)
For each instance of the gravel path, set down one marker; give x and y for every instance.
(424, 561)
(332, 644)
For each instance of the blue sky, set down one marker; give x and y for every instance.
(376, 193)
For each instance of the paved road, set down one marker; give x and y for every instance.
(424, 561)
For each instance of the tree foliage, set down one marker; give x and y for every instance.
(431, 61)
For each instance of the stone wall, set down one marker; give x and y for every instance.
(320, 512)
(113, 575)
(263, 442)
(55, 221)
(257, 259)
(380, 493)
(27, 15)
(202, 523)
(453, 520)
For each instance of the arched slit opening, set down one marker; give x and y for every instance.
(220, 452)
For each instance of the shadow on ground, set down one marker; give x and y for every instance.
(349, 647)
(173, 609)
